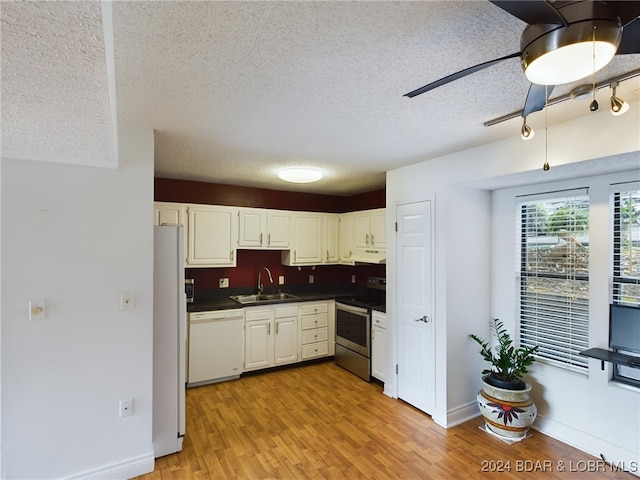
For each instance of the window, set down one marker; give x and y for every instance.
(554, 277)
(626, 264)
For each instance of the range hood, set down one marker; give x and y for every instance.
(370, 256)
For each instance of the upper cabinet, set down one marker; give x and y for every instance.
(330, 238)
(346, 243)
(306, 240)
(212, 236)
(263, 229)
(370, 229)
(168, 213)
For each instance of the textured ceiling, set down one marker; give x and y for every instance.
(236, 90)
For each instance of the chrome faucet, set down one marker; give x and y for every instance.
(260, 285)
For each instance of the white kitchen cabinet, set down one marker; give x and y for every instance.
(215, 346)
(330, 239)
(378, 345)
(370, 229)
(317, 324)
(270, 336)
(306, 240)
(212, 236)
(263, 228)
(346, 238)
(166, 213)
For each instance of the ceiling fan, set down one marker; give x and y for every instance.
(564, 41)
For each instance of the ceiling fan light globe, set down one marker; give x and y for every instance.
(558, 54)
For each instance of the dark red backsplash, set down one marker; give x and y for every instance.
(249, 262)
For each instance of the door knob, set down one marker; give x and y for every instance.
(424, 319)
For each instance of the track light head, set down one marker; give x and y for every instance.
(618, 106)
(526, 132)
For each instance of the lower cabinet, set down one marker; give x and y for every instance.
(288, 333)
(378, 345)
(270, 336)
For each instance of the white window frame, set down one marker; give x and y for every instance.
(558, 323)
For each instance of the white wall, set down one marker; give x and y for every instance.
(456, 182)
(574, 407)
(77, 237)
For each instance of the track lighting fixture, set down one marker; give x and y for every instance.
(618, 106)
(526, 132)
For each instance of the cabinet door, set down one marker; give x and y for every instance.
(330, 236)
(168, 213)
(211, 236)
(278, 224)
(250, 228)
(307, 239)
(378, 353)
(286, 340)
(362, 229)
(346, 243)
(378, 225)
(258, 344)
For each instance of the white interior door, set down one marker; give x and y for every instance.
(416, 349)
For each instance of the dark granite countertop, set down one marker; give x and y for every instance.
(219, 300)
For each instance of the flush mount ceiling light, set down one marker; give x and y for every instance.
(300, 174)
(618, 106)
(555, 54)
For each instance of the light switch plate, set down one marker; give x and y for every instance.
(281, 280)
(311, 279)
(224, 283)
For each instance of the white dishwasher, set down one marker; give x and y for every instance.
(216, 343)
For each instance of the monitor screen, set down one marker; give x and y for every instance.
(624, 328)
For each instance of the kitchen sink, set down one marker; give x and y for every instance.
(262, 298)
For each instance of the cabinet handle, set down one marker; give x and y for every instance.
(372, 242)
(366, 239)
(327, 255)
(350, 253)
(260, 238)
(268, 329)
(277, 328)
(269, 240)
(231, 255)
(294, 255)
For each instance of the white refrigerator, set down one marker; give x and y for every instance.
(169, 339)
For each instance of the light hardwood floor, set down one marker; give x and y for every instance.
(319, 421)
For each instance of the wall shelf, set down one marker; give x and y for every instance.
(612, 357)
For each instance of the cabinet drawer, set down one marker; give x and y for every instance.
(314, 321)
(313, 309)
(315, 350)
(282, 312)
(250, 315)
(313, 336)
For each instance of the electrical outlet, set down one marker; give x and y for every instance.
(353, 279)
(126, 301)
(281, 280)
(224, 283)
(36, 310)
(311, 279)
(126, 407)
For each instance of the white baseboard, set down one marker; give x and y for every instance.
(619, 457)
(129, 468)
(461, 414)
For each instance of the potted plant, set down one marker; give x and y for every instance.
(504, 399)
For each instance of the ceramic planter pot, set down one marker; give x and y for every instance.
(507, 413)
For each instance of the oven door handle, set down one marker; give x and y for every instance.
(424, 319)
(352, 309)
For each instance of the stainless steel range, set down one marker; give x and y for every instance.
(353, 327)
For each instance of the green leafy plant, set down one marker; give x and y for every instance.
(508, 363)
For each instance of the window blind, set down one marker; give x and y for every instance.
(626, 247)
(554, 277)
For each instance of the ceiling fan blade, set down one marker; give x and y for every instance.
(533, 11)
(457, 75)
(627, 11)
(630, 42)
(536, 98)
